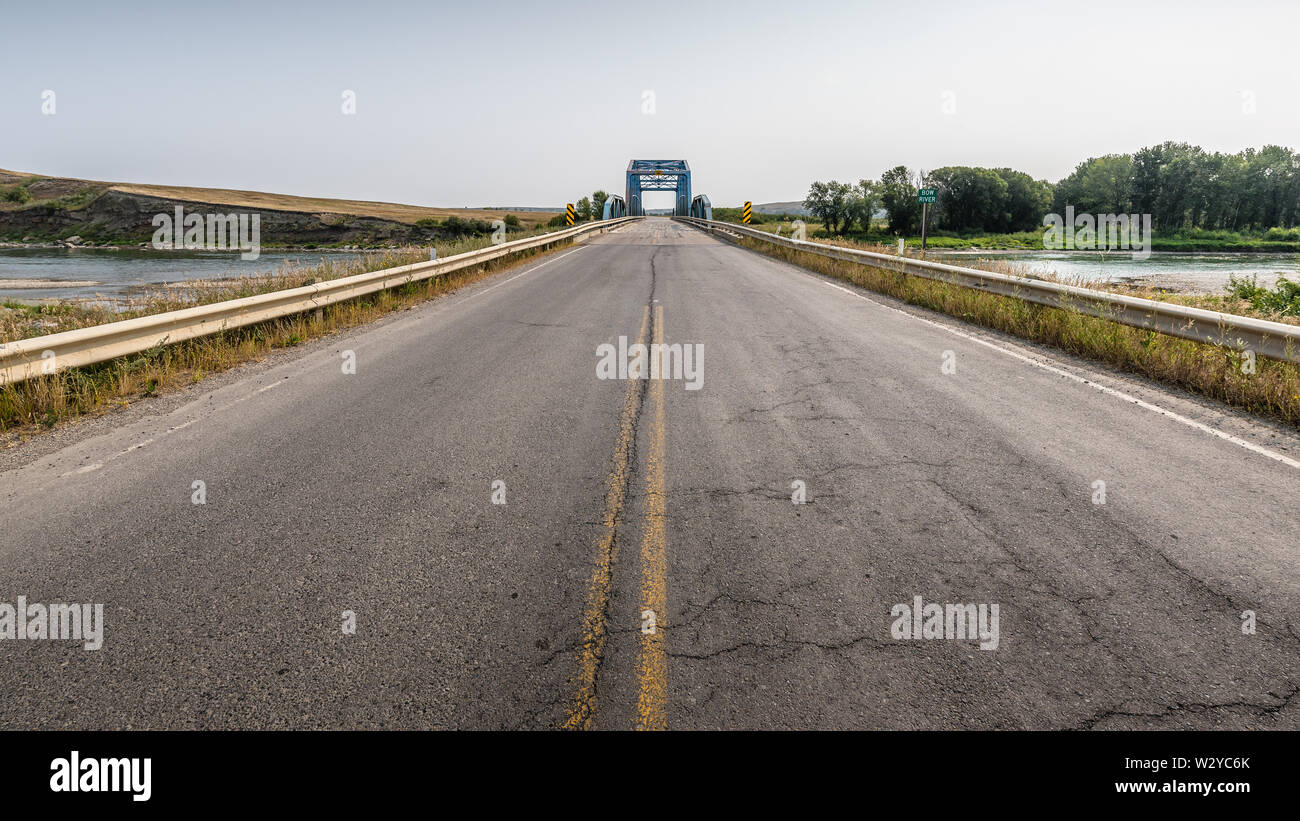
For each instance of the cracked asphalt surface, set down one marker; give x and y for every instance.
(372, 493)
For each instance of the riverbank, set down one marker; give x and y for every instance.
(1273, 241)
(1166, 271)
(41, 402)
(39, 211)
(76, 242)
(1267, 387)
(1160, 273)
(1033, 241)
(1222, 292)
(43, 273)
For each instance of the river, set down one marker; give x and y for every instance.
(1201, 272)
(38, 274)
(41, 274)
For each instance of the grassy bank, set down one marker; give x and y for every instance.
(1273, 391)
(36, 209)
(1274, 240)
(19, 189)
(42, 402)
(1241, 297)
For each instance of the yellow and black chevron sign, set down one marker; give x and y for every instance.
(744, 216)
(568, 214)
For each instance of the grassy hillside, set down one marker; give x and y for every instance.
(36, 207)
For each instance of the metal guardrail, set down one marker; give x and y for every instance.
(26, 358)
(1276, 340)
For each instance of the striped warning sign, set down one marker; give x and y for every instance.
(744, 216)
(568, 214)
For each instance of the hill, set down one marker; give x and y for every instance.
(34, 207)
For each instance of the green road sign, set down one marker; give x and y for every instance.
(927, 194)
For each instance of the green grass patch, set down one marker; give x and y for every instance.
(1283, 298)
(1274, 240)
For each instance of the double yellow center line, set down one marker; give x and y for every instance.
(652, 666)
(652, 658)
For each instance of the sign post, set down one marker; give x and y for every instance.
(568, 214)
(925, 196)
(744, 216)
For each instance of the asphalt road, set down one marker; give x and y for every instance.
(372, 492)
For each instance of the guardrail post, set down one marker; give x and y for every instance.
(320, 312)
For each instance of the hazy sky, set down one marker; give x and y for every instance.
(512, 103)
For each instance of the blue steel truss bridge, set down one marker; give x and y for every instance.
(658, 175)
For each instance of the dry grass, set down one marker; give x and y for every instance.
(1272, 391)
(20, 321)
(40, 403)
(1211, 302)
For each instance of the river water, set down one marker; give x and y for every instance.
(37, 274)
(1202, 272)
(41, 274)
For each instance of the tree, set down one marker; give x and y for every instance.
(865, 203)
(1181, 186)
(1162, 183)
(1027, 200)
(1098, 185)
(898, 198)
(1219, 191)
(818, 202)
(1272, 178)
(833, 204)
(582, 210)
(598, 199)
(970, 199)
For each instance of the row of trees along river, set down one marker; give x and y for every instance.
(1188, 191)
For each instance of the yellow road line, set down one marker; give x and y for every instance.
(652, 660)
(583, 709)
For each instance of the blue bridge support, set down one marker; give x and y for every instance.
(658, 175)
(701, 208)
(615, 207)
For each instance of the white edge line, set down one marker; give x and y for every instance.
(98, 465)
(520, 274)
(1191, 423)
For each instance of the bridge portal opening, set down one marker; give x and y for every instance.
(645, 177)
(661, 201)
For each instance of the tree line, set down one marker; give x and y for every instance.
(585, 208)
(1182, 186)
